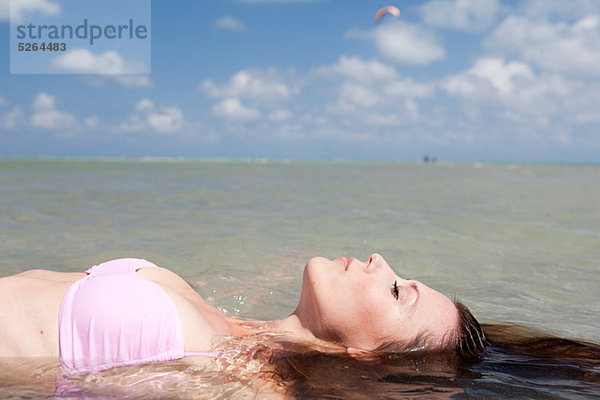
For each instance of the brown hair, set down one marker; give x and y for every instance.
(521, 340)
(470, 339)
(518, 360)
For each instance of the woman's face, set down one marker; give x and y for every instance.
(365, 305)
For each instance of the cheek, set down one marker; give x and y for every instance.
(367, 319)
(352, 308)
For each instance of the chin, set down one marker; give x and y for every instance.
(316, 263)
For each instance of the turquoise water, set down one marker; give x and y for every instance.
(516, 243)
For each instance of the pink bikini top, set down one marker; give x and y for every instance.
(116, 317)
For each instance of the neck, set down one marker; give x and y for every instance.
(289, 328)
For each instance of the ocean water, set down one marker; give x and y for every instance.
(516, 243)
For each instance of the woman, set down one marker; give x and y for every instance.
(130, 311)
(358, 328)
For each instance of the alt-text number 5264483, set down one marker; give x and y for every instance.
(44, 46)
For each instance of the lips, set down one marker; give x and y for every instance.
(345, 262)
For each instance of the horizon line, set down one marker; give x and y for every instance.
(284, 160)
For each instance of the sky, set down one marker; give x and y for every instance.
(465, 80)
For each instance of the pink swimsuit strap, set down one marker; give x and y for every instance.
(121, 265)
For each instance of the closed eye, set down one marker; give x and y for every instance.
(412, 297)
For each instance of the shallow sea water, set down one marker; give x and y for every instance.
(516, 243)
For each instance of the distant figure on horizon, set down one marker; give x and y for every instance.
(427, 159)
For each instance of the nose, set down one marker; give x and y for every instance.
(375, 261)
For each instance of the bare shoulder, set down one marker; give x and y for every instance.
(167, 278)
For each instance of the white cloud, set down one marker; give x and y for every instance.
(369, 100)
(407, 88)
(132, 80)
(232, 108)
(52, 119)
(542, 9)
(44, 101)
(46, 116)
(12, 119)
(412, 108)
(514, 92)
(249, 94)
(20, 8)
(135, 123)
(280, 115)
(230, 24)
(464, 15)
(2, 101)
(560, 47)
(93, 123)
(405, 43)
(110, 65)
(261, 85)
(489, 77)
(353, 94)
(166, 120)
(147, 116)
(84, 61)
(382, 77)
(373, 88)
(144, 105)
(363, 71)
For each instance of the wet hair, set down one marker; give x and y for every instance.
(493, 360)
(521, 340)
(482, 360)
(470, 339)
(466, 341)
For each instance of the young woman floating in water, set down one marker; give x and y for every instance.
(130, 311)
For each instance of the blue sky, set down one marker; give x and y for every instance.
(466, 80)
